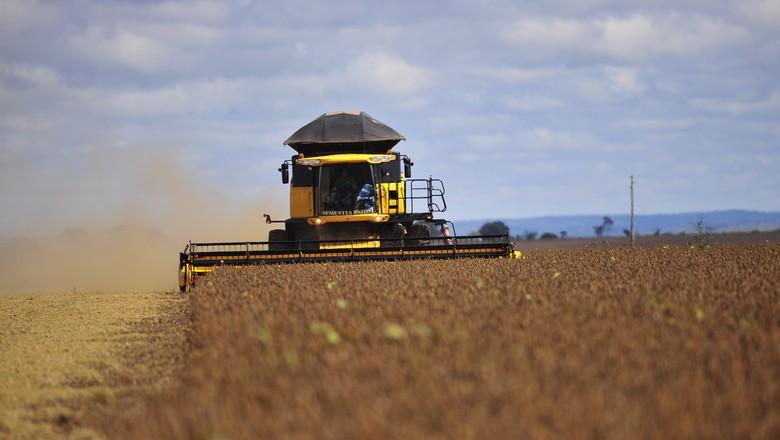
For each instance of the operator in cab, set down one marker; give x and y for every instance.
(344, 191)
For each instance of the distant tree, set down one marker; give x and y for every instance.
(606, 222)
(564, 234)
(626, 232)
(657, 232)
(529, 235)
(494, 228)
(703, 234)
(548, 236)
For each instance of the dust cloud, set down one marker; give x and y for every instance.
(156, 206)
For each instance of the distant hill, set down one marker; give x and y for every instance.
(582, 225)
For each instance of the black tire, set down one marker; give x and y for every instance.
(303, 236)
(275, 236)
(419, 235)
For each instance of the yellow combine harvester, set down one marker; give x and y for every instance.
(352, 198)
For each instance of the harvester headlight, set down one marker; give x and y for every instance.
(382, 158)
(317, 221)
(308, 162)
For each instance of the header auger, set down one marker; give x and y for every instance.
(352, 198)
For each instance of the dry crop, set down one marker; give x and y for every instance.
(666, 342)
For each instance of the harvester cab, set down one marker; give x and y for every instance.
(358, 196)
(352, 198)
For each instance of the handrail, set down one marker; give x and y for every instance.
(433, 194)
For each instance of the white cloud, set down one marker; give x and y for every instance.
(36, 76)
(739, 107)
(599, 84)
(26, 124)
(572, 142)
(198, 11)
(413, 103)
(514, 74)
(388, 74)
(18, 15)
(625, 80)
(301, 86)
(760, 12)
(146, 48)
(207, 96)
(545, 138)
(487, 141)
(548, 32)
(441, 122)
(301, 49)
(532, 103)
(130, 49)
(631, 37)
(658, 124)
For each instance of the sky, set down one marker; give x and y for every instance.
(110, 109)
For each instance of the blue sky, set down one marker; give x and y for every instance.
(524, 109)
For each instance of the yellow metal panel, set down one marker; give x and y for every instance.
(388, 204)
(201, 270)
(301, 201)
(321, 220)
(345, 158)
(401, 197)
(352, 245)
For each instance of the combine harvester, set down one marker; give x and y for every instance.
(352, 198)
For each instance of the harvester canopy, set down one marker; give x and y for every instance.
(343, 132)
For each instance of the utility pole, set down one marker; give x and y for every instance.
(632, 210)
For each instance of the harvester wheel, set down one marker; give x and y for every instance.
(274, 237)
(419, 235)
(185, 275)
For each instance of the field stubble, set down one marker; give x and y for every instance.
(651, 342)
(67, 359)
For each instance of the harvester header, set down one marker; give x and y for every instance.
(352, 198)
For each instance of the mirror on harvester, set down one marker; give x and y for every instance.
(285, 169)
(407, 168)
